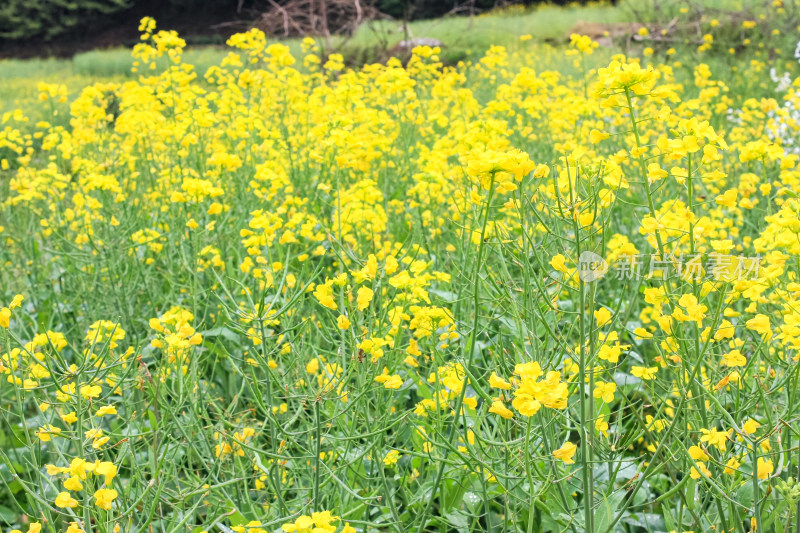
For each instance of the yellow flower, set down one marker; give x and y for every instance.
(583, 43)
(64, 500)
(610, 353)
(498, 382)
(765, 468)
(655, 173)
(601, 425)
(605, 391)
(107, 470)
(100, 442)
(90, 391)
(73, 484)
(324, 295)
(364, 297)
(558, 262)
(603, 316)
(692, 309)
(731, 466)
(45, 433)
(106, 410)
(620, 77)
(566, 453)
(394, 382)
(715, 438)
(343, 322)
(751, 426)
(724, 331)
(320, 522)
(645, 373)
(733, 359)
(695, 472)
(104, 498)
(727, 199)
(759, 324)
(391, 458)
(595, 136)
(698, 454)
(499, 408)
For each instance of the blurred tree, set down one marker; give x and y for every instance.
(46, 19)
(423, 9)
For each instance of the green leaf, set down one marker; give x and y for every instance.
(458, 520)
(607, 511)
(453, 492)
(236, 518)
(7, 516)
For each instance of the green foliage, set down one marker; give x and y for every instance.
(46, 19)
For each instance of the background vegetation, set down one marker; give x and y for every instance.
(28, 20)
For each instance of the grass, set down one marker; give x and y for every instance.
(465, 36)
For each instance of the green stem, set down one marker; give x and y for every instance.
(470, 354)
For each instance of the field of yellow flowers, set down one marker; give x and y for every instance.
(283, 295)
